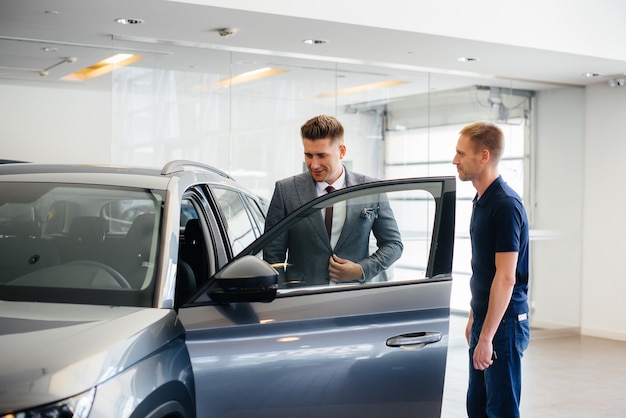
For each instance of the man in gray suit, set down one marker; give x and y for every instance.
(312, 253)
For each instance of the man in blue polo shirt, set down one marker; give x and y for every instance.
(497, 329)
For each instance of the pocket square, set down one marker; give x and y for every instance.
(369, 213)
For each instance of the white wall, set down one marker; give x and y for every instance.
(555, 208)
(604, 227)
(51, 125)
(579, 279)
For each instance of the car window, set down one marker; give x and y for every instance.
(389, 235)
(120, 214)
(240, 225)
(78, 243)
(194, 257)
(257, 214)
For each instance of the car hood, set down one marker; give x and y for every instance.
(49, 352)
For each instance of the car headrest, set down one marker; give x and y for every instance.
(88, 228)
(142, 227)
(193, 232)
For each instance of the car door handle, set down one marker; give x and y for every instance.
(414, 340)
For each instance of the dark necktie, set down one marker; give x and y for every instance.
(328, 219)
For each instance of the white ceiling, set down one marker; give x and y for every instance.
(183, 35)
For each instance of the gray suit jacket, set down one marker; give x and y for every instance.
(306, 247)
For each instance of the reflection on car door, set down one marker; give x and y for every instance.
(376, 349)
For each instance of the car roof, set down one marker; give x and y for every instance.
(152, 178)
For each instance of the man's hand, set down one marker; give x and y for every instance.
(483, 355)
(342, 270)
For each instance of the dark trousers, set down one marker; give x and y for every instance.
(495, 392)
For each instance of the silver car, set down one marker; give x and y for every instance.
(144, 293)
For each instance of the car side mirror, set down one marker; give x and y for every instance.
(247, 279)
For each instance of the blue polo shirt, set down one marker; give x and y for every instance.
(499, 224)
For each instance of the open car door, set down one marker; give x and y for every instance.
(286, 342)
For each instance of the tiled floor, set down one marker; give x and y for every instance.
(564, 375)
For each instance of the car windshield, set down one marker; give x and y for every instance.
(74, 243)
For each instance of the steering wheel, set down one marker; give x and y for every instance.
(116, 275)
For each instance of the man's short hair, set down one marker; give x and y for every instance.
(485, 135)
(322, 126)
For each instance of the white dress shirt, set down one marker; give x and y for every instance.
(339, 209)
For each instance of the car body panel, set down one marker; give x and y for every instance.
(157, 386)
(52, 351)
(322, 354)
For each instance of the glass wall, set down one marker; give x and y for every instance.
(420, 140)
(243, 113)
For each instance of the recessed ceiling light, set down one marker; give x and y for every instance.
(591, 75)
(315, 41)
(128, 21)
(468, 59)
(49, 49)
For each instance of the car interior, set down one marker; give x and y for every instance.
(76, 241)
